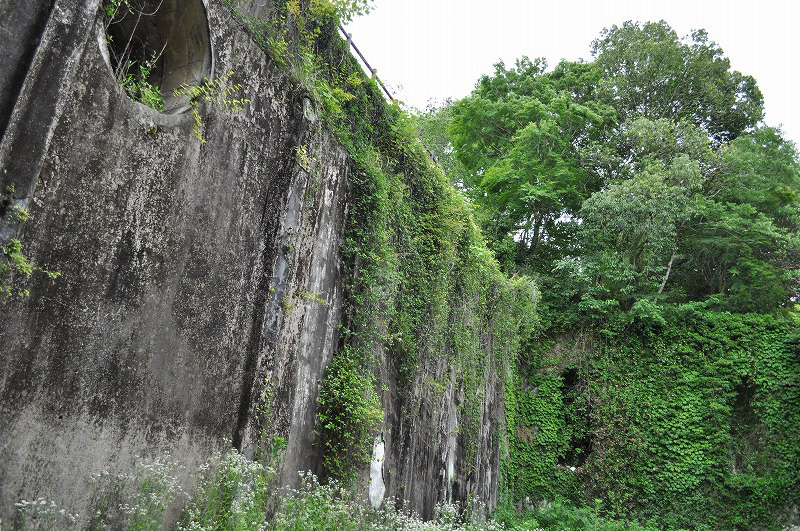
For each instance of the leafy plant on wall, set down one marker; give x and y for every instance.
(15, 267)
(218, 93)
(133, 64)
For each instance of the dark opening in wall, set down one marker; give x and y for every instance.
(577, 419)
(570, 383)
(155, 46)
(747, 432)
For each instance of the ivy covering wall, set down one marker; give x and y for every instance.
(659, 215)
(678, 414)
(693, 419)
(426, 295)
(428, 311)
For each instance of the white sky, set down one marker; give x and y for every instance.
(435, 49)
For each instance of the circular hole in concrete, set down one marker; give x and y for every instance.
(155, 46)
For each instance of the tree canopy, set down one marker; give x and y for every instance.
(645, 174)
(661, 219)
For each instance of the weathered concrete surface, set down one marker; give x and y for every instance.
(175, 258)
(426, 436)
(192, 279)
(21, 26)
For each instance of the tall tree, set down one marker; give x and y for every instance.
(642, 175)
(521, 140)
(744, 244)
(433, 126)
(649, 71)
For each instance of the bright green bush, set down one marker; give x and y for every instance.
(694, 419)
(349, 414)
(563, 517)
(231, 493)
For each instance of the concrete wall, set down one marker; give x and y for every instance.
(184, 268)
(175, 257)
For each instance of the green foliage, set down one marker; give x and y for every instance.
(416, 252)
(420, 281)
(300, 36)
(744, 238)
(231, 492)
(234, 493)
(649, 71)
(218, 93)
(134, 81)
(563, 517)
(522, 137)
(132, 66)
(13, 264)
(315, 506)
(434, 129)
(693, 417)
(639, 175)
(349, 414)
(292, 31)
(135, 501)
(15, 267)
(343, 10)
(41, 514)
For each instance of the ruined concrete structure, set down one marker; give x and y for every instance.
(177, 260)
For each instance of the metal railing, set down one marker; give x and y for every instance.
(373, 71)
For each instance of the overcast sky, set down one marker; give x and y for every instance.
(435, 49)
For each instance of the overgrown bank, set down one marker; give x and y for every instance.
(224, 262)
(660, 217)
(682, 416)
(431, 320)
(674, 414)
(639, 396)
